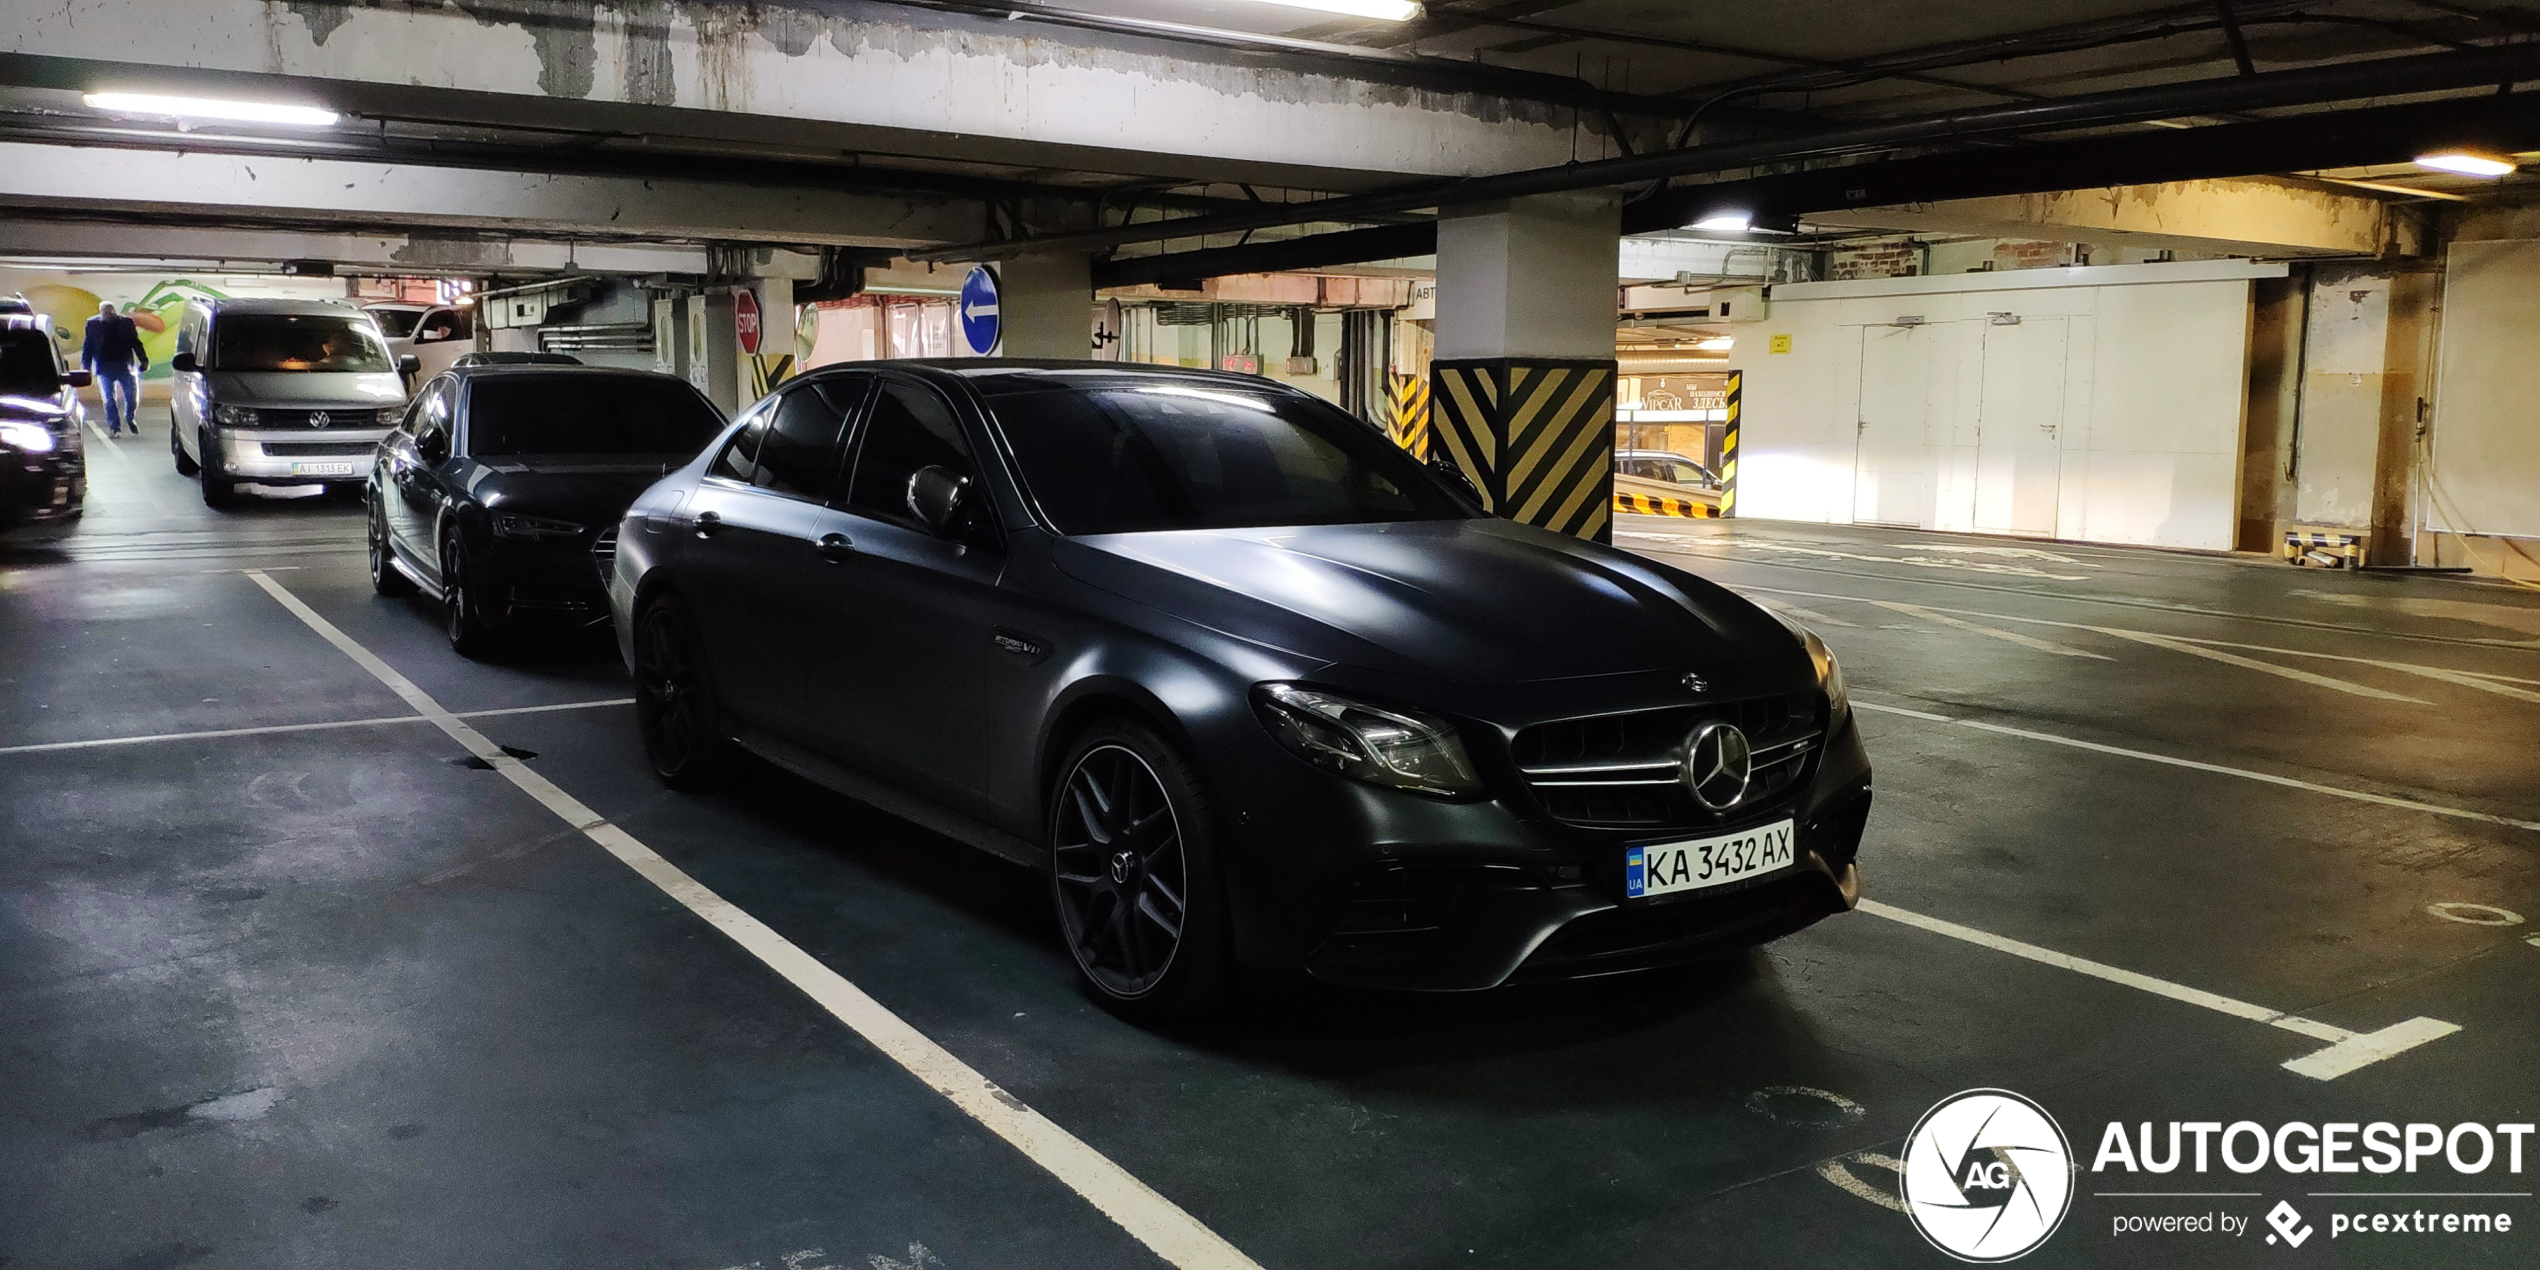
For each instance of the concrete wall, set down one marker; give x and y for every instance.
(2103, 404)
(2485, 468)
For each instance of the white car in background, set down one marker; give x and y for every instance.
(435, 335)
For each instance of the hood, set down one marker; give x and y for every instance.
(592, 490)
(52, 411)
(305, 389)
(1468, 601)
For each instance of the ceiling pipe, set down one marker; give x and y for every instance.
(2431, 72)
(2386, 134)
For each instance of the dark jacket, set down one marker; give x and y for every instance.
(113, 346)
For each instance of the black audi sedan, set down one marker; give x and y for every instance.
(43, 463)
(1255, 689)
(500, 491)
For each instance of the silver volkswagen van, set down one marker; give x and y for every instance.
(280, 392)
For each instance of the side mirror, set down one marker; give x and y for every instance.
(1455, 478)
(77, 378)
(185, 362)
(406, 365)
(433, 446)
(936, 496)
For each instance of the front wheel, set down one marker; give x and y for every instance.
(462, 610)
(1133, 871)
(185, 466)
(675, 704)
(218, 490)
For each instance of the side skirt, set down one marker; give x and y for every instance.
(898, 802)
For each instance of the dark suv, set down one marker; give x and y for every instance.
(1249, 683)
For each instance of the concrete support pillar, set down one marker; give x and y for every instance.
(1522, 395)
(1047, 306)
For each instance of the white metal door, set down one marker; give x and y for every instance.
(2019, 449)
(1891, 470)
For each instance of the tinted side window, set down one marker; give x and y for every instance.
(740, 455)
(910, 428)
(800, 453)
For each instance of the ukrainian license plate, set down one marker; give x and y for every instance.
(322, 469)
(1665, 868)
(61, 493)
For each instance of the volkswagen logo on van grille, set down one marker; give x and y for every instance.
(1718, 765)
(319, 419)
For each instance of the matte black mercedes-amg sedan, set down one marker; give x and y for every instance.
(502, 483)
(1255, 688)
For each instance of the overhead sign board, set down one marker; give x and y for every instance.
(981, 328)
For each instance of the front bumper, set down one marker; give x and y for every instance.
(42, 489)
(300, 456)
(1373, 888)
(554, 584)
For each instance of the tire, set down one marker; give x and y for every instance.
(1134, 876)
(184, 466)
(685, 738)
(462, 616)
(385, 577)
(218, 491)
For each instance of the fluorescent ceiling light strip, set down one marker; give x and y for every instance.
(2466, 164)
(209, 108)
(1379, 10)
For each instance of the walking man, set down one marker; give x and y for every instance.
(112, 352)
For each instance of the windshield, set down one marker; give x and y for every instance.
(396, 324)
(26, 364)
(298, 341)
(587, 414)
(1129, 459)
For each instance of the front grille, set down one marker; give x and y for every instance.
(349, 417)
(604, 554)
(318, 449)
(1626, 770)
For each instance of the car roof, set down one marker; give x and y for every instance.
(1004, 376)
(312, 308)
(551, 370)
(1656, 454)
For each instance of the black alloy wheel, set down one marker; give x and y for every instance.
(675, 705)
(462, 612)
(385, 577)
(1134, 877)
(218, 490)
(184, 466)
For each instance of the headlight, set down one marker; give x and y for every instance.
(533, 528)
(1829, 675)
(1394, 748)
(34, 438)
(235, 416)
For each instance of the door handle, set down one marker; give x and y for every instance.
(708, 523)
(835, 548)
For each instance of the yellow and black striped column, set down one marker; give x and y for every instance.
(1536, 435)
(1408, 423)
(1728, 448)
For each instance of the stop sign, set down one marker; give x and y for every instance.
(745, 319)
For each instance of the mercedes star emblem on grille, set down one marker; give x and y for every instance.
(319, 419)
(1718, 765)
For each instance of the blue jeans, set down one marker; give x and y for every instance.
(129, 381)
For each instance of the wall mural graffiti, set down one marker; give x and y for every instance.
(156, 311)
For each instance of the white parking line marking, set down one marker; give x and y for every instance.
(1174, 1235)
(1839, 1173)
(2487, 680)
(273, 729)
(2251, 663)
(2362, 796)
(1812, 616)
(2014, 637)
(2346, 1052)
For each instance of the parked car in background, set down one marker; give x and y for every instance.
(516, 359)
(43, 463)
(1253, 686)
(435, 335)
(500, 483)
(1667, 466)
(279, 392)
